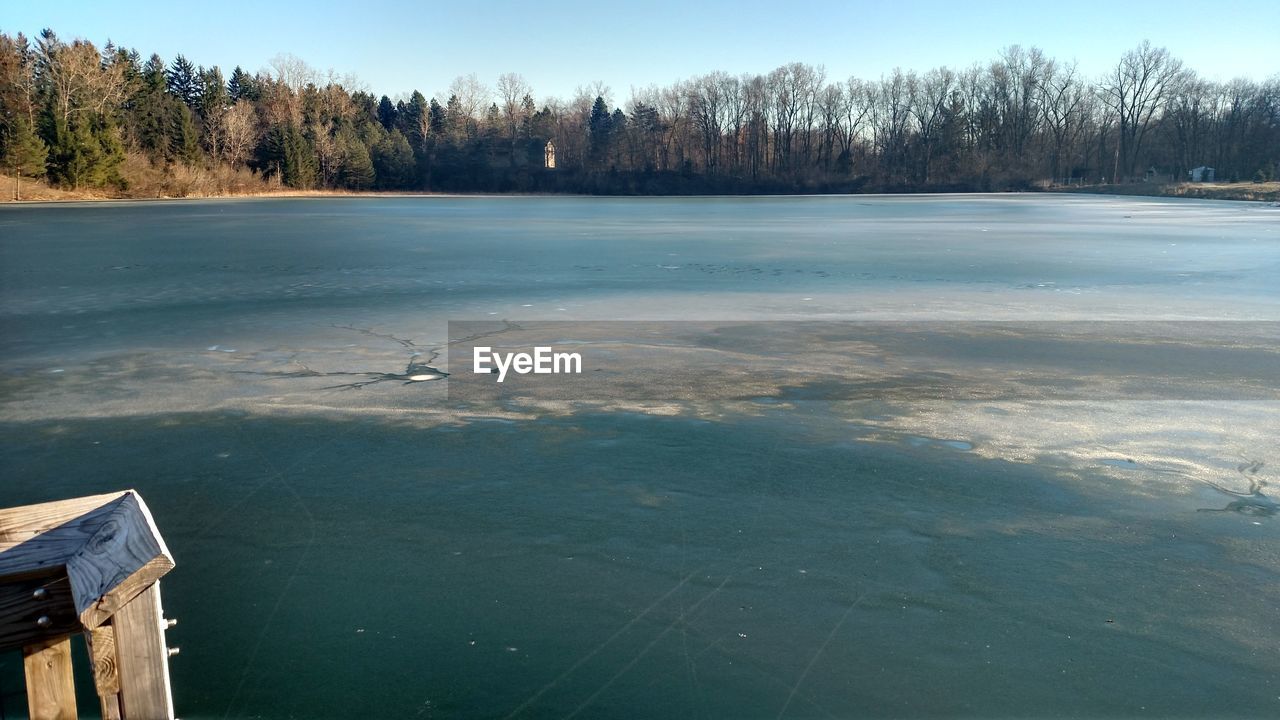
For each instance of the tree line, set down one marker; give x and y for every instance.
(80, 117)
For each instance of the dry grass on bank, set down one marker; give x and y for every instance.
(178, 181)
(147, 181)
(1266, 191)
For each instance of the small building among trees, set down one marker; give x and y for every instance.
(549, 156)
(1201, 174)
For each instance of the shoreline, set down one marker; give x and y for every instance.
(1245, 191)
(35, 192)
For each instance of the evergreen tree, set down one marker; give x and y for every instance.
(152, 112)
(527, 110)
(127, 61)
(242, 86)
(153, 74)
(599, 127)
(413, 119)
(357, 171)
(214, 97)
(286, 154)
(21, 149)
(393, 161)
(437, 117)
(24, 152)
(455, 120)
(386, 113)
(366, 106)
(183, 81)
(299, 168)
(86, 152)
(184, 141)
(617, 134)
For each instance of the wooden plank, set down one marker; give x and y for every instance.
(36, 537)
(106, 675)
(112, 549)
(51, 691)
(143, 658)
(36, 607)
(124, 555)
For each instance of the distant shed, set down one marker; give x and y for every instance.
(1201, 174)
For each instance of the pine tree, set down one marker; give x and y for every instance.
(300, 161)
(413, 119)
(127, 61)
(153, 74)
(183, 82)
(86, 152)
(617, 133)
(287, 155)
(366, 106)
(599, 127)
(455, 120)
(242, 86)
(107, 171)
(386, 113)
(437, 117)
(527, 110)
(184, 141)
(213, 96)
(393, 161)
(24, 152)
(356, 172)
(152, 112)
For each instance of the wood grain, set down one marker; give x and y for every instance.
(25, 599)
(124, 555)
(51, 691)
(143, 658)
(106, 669)
(109, 545)
(36, 537)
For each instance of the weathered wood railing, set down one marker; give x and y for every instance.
(88, 565)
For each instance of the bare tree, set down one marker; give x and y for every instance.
(78, 80)
(673, 104)
(706, 108)
(733, 90)
(1137, 91)
(809, 83)
(856, 107)
(1062, 102)
(891, 103)
(328, 153)
(292, 72)
(831, 103)
(512, 90)
(929, 96)
(240, 133)
(472, 94)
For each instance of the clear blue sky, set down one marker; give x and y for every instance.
(559, 44)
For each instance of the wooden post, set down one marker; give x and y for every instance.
(87, 565)
(106, 669)
(143, 657)
(51, 691)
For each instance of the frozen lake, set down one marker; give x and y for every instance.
(876, 457)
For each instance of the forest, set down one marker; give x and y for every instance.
(79, 116)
